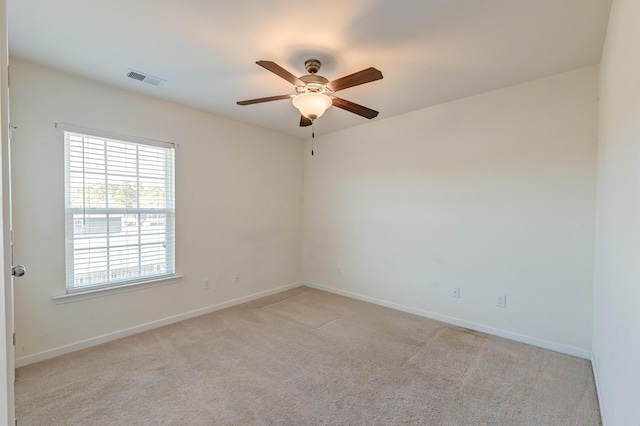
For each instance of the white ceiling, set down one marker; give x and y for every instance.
(430, 51)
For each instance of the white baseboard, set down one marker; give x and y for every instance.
(596, 376)
(557, 347)
(63, 350)
(72, 347)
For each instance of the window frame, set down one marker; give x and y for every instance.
(141, 280)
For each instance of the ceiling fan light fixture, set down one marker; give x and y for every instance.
(315, 94)
(312, 104)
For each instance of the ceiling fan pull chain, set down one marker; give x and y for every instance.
(313, 136)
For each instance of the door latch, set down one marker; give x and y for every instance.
(18, 270)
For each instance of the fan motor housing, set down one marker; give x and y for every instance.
(313, 83)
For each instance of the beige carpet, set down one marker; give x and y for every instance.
(306, 357)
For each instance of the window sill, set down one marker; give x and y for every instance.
(100, 292)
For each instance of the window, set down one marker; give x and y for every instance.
(120, 209)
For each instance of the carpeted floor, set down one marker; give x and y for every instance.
(306, 357)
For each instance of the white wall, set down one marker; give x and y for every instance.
(616, 335)
(239, 207)
(494, 193)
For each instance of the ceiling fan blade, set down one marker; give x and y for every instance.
(260, 100)
(304, 121)
(355, 79)
(354, 108)
(281, 72)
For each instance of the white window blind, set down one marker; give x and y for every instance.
(120, 210)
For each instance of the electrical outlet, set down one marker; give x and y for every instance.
(206, 285)
(501, 300)
(237, 278)
(455, 292)
(339, 271)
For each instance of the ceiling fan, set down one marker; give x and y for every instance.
(314, 94)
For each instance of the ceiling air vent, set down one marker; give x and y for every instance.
(154, 81)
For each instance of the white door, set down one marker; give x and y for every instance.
(7, 365)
